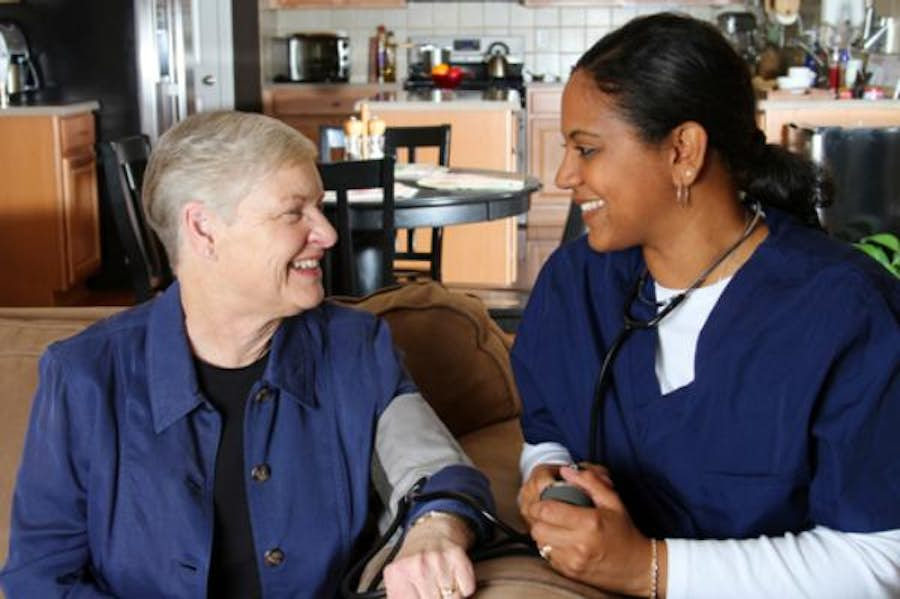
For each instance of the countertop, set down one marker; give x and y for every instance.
(333, 86)
(816, 104)
(62, 109)
(444, 100)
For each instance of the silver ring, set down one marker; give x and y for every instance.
(448, 591)
(545, 551)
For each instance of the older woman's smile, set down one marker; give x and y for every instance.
(305, 264)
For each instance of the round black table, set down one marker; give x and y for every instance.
(429, 208)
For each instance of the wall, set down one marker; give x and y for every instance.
(554, 37)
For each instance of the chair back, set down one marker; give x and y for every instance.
(574, 226)
(331, 138)
(411, 138)
(124, 161)
(342, 276)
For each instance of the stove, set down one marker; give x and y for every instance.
(468, 54)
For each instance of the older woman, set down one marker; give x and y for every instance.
(742, 369)
(222, 440)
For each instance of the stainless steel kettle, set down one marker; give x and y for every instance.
(497, 63)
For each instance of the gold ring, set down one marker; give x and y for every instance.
(544, 551)
(448, 591)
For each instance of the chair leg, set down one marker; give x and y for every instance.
(437, 236)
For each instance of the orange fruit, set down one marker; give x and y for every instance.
(441, 69)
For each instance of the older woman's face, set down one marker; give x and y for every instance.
(622, 184)
(270, 252)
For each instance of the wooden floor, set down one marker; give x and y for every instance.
(535, 246)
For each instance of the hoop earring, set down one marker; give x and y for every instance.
(683, 195)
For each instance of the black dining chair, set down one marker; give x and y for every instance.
(574, 226)
(409, 139)
(362, 260)
(124, 161)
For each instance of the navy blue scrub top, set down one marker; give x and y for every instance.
(793, 417)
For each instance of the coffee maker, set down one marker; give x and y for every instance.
(22, 76)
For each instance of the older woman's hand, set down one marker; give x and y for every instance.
(432, 563)
(601, 545)
(541, 477)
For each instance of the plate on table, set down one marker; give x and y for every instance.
(373, 195)
(470, 181)
(413, 171)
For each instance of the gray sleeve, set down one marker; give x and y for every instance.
(410, 442)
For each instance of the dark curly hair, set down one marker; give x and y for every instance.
(665, 69)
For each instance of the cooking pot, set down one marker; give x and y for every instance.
(497, 63)
(432, 56)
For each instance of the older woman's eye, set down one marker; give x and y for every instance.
(585, 152)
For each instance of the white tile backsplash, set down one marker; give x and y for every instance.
(571, 39)
(496, 14)
(471, 14)
(572, 17)
(554, 37)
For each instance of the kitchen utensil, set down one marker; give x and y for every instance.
(433, 56)
(496, 58)
(21, 76)
(739, 28)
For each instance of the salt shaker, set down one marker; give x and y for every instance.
(377, 127)
(353, 139)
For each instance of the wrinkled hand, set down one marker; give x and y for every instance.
(541, 477)
(433, 557)
(600, 546)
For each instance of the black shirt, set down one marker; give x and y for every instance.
(233, 571)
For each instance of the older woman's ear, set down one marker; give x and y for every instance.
(197, 230)
(689, 147)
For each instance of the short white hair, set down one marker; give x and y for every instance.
(215, 158)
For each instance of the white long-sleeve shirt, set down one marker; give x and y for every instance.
(820, 563)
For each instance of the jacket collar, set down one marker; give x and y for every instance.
(173, 388)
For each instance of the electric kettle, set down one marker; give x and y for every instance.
(497, 63)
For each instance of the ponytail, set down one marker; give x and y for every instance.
(789, 182)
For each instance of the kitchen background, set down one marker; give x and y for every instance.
(554, 36)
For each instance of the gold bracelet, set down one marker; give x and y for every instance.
(654, 569)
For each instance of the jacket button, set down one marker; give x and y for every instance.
(262, 395)
(273, 557)
(261, 473)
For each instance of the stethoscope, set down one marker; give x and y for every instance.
(632, 323)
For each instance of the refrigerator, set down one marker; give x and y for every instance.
(149, 63)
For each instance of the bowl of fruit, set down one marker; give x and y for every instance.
(445, 76)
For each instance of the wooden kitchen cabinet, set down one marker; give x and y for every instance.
(774, 115)
(49, 213)
(550, 205)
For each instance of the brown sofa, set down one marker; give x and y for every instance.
(455, 352)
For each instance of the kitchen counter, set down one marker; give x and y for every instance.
(776, 114)
(50, 109)
(804, 103)
(332, 87)
(444, 100)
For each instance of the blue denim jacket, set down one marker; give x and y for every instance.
(115, 491)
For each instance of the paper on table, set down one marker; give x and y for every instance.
(413, 171)
(374, 195)
(450, 180)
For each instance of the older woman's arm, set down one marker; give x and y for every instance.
(411, 443)
(49, 554)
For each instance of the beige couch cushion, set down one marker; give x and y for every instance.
(455, 352)
(24, 334)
